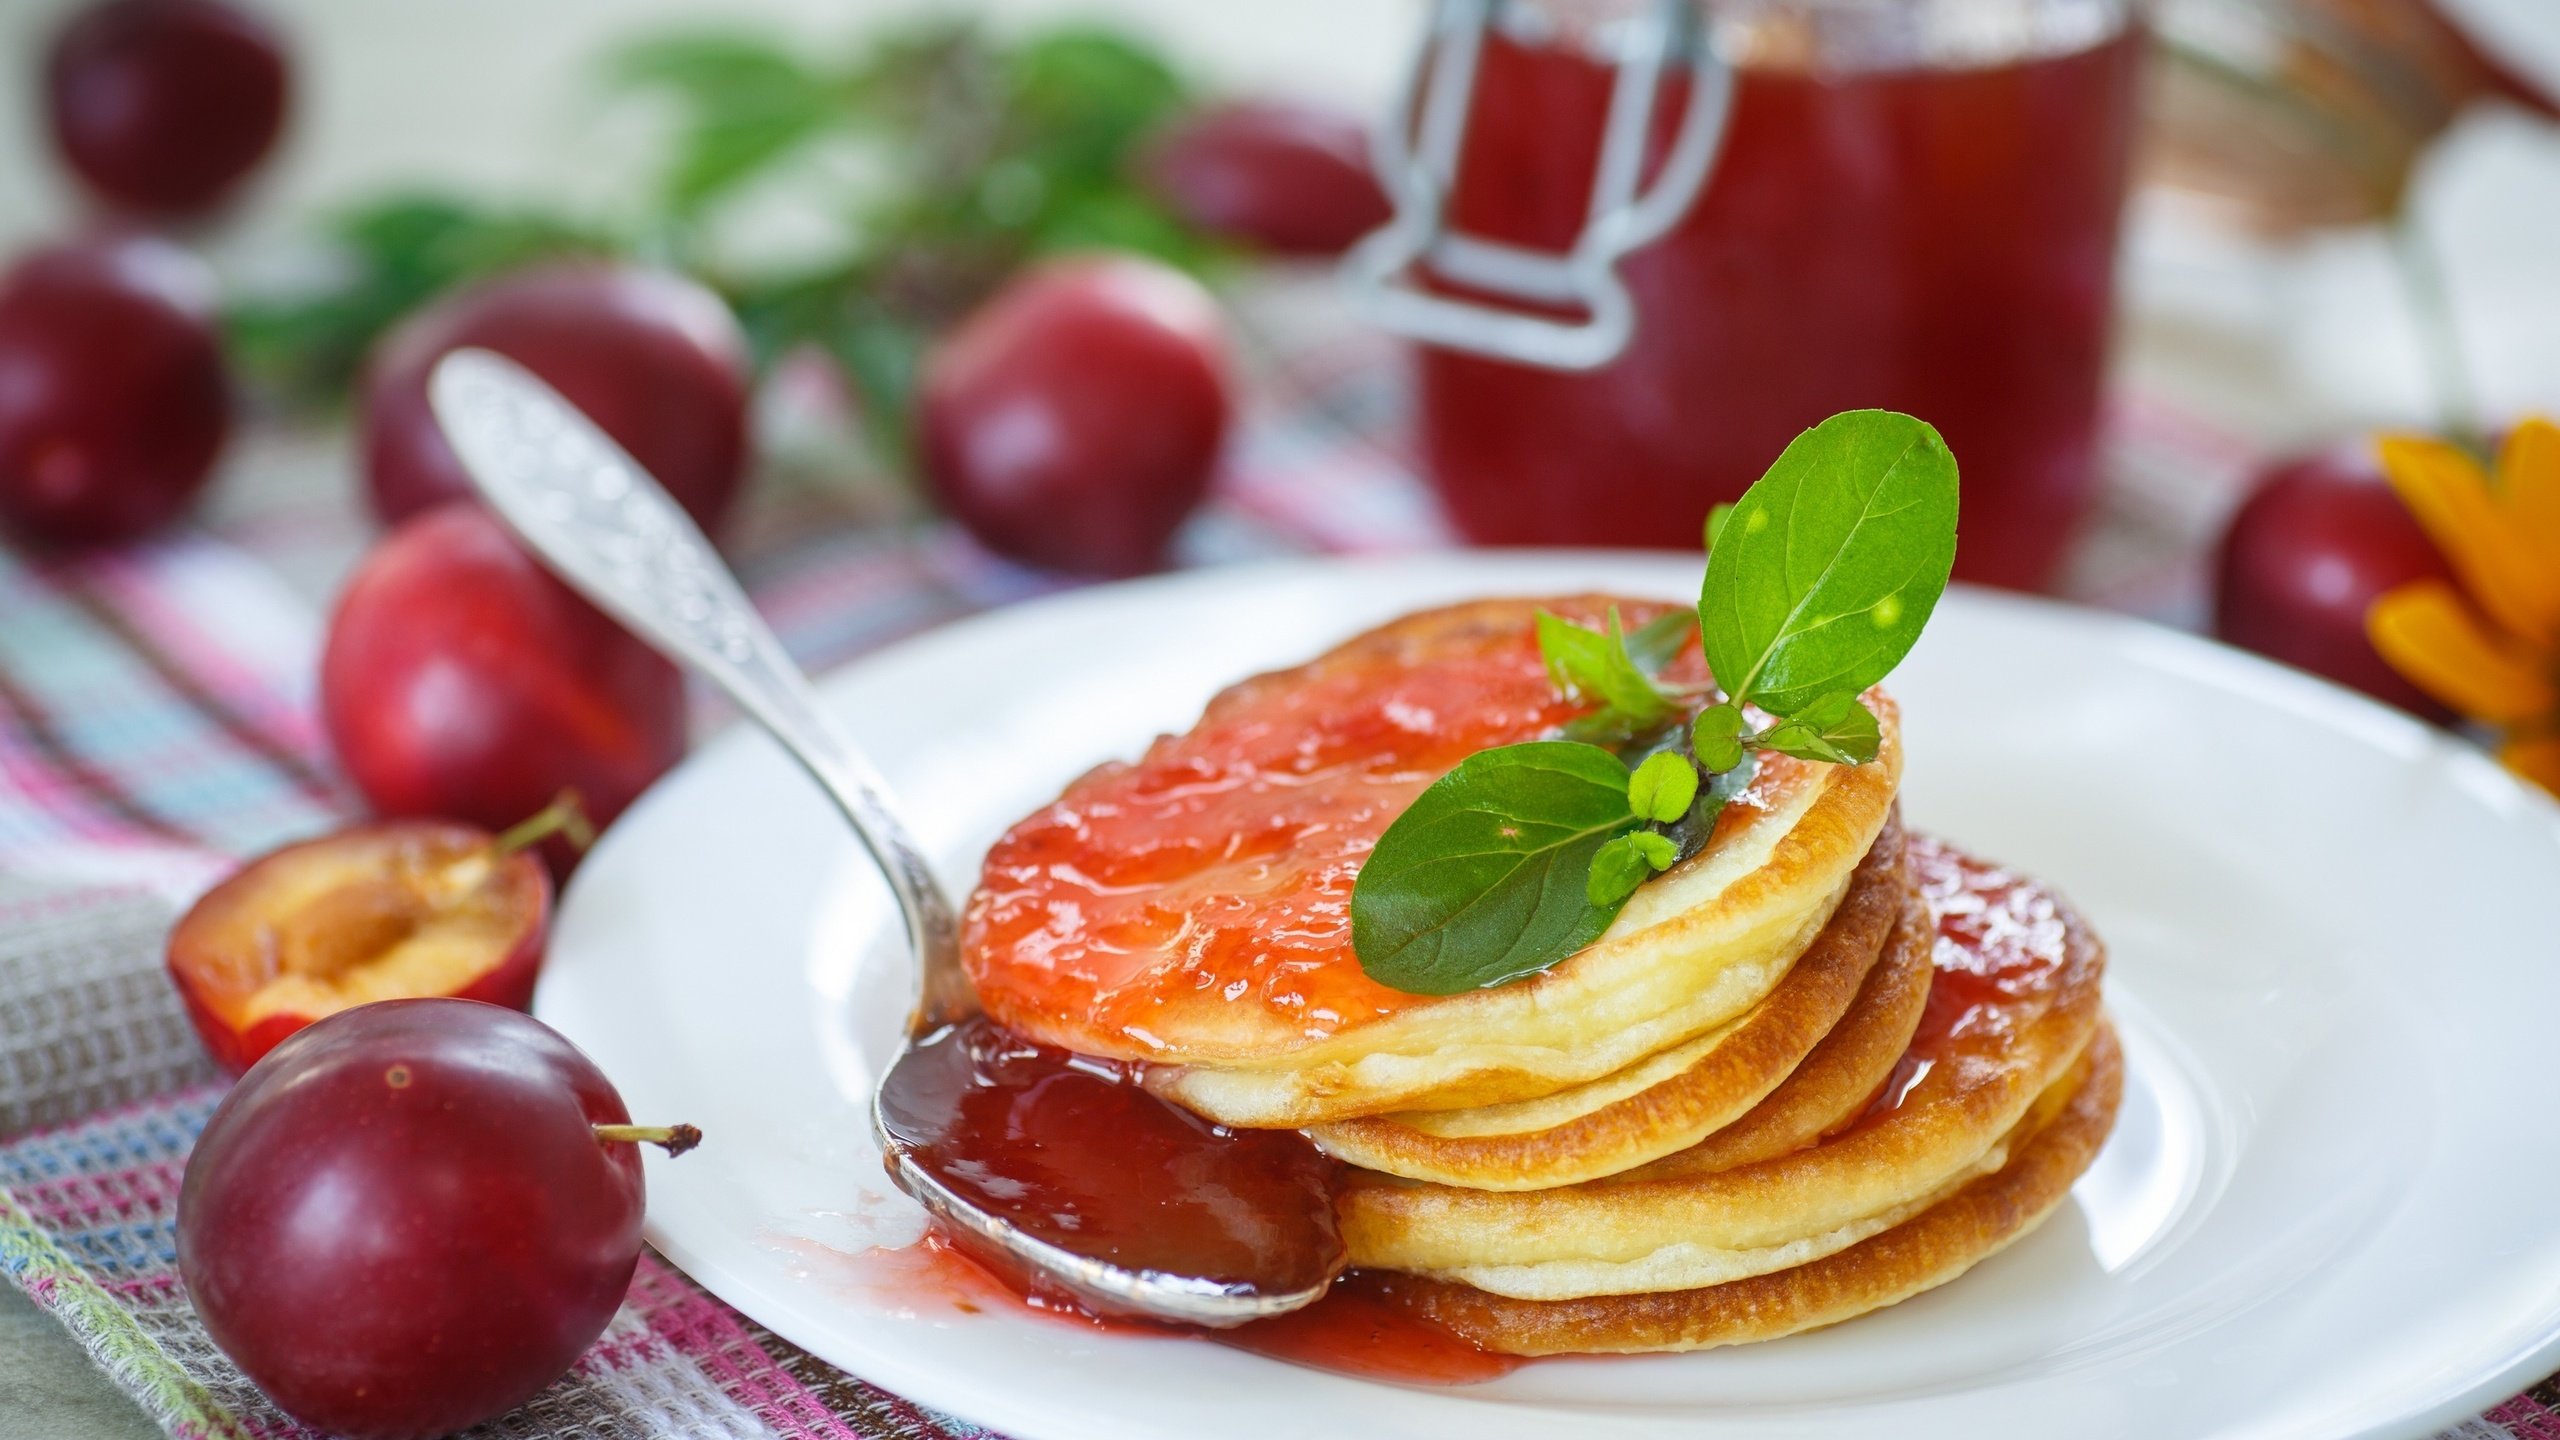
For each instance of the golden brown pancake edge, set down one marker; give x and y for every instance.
(1928, 1250)
(1949, 1120)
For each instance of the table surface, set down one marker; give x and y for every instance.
(49, 1389)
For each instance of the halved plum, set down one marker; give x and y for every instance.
(391, 909)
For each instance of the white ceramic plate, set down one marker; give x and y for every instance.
(2328, 1208)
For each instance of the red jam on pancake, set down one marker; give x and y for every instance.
(2000, 938)
(2015, 990)
(1215, 873)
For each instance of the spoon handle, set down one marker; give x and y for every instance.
(603, 525)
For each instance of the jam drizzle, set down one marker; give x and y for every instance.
(1999, 938)
(1360, 1328)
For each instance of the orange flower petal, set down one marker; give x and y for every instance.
(2450, 496)
(2537, 760)
(2529, 485)
(2428, 634)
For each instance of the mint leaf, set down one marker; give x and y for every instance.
(304, 345)
(1837, 729)
(1663, 788)
(1594, 667)
(1657, 642)
(1625, 863)
(1818, 583)
(746, 103)
(1692, 833)
(1617, 868)
(1821, 578)
(1486, 876)
(1715, 522)
(1715, 737)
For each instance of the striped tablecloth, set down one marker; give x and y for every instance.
(156, 725)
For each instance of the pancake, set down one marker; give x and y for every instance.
(2057, 1141)
(2013, 1001)
(1191, 910)
(1845, 1074)
(1671, 1100)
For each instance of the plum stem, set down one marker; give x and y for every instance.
(674, 1139)
(566, 815)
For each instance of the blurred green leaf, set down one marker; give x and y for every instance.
(1120, 220)
(746, 104)
(877, 349)
(1082, 98)
(390, 255)
(993, 152)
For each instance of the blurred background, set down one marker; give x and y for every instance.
(2339, 220)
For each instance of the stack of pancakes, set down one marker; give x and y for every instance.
(1818, 1067)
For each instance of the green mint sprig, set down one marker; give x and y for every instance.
(1614, 672)
(1818, 582)
(1486, 881)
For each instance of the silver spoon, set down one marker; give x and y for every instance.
(603, 525)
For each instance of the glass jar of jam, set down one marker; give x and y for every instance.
(1646, 242)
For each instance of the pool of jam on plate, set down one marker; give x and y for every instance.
(1358, 1329)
